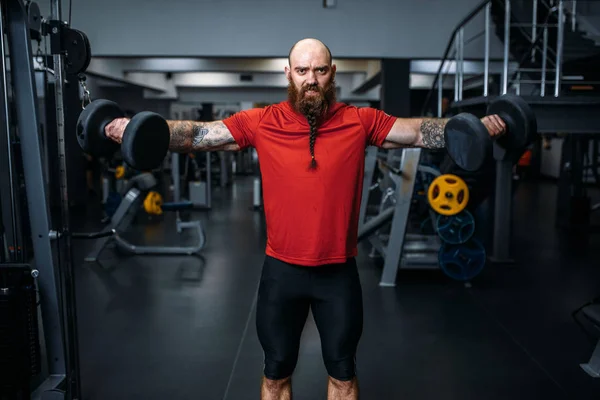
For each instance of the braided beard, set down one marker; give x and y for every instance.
(312, 122)
(314, 108)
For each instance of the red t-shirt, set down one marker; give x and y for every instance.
(311, 214)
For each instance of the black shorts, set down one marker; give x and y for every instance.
(334, 295)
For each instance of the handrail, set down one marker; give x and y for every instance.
(463, 22)
(535, 44)
(535, 40)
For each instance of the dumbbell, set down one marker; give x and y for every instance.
(145, 140)
(468, 141)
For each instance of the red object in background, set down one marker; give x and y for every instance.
(525, 159)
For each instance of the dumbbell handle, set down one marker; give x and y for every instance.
(115, 128)
(496, 125)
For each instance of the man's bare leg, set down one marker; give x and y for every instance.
(342, 390)
(280, 389)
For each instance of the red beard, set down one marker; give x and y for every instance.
(314, 105)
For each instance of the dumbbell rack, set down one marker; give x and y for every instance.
(402, 250)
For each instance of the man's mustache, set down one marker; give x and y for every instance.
(312, 86)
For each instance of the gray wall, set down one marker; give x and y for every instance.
(589, 7)
(129, 98)
(239, 28)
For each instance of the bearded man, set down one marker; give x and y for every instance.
(312, 155)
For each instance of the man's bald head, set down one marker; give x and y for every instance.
(310, 46)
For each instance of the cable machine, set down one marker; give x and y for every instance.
(36, 263)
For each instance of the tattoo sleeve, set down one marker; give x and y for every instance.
(432, 132)
(187, 136)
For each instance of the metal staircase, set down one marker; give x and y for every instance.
(546, 62)
(548, 59)
(535, 38)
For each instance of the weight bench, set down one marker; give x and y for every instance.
(132, 202)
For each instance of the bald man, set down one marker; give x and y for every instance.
(311, 150)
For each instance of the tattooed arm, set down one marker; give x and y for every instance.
(416, 132)
(191, 136)
(429, 132)
(186, 136)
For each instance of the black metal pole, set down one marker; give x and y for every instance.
(72, 345)
(9, 147)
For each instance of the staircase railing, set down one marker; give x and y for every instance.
(514, 73)
(438, 81)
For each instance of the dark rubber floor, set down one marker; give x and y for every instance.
(160, 327)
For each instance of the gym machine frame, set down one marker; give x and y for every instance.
(60, 378)
(403, 250)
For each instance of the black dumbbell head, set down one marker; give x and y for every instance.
(467, 141)
(90, 128)
(521, 124)
(145, 141)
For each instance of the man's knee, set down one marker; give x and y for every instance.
(343, 388)
(276, 370)
(275, 384)
(343, 370)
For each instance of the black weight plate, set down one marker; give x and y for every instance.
(531, 118)
(520, 120)
(34, 17)
(77, 48)
(467, 141)
(462, 262)
(146, 141)
(90, 128)
(88, 48)
(456, 229)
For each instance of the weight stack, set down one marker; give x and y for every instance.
(20, 358)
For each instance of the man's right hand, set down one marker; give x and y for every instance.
(114, 130)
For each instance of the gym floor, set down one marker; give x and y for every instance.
(183, 327)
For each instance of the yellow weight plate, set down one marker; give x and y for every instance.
(153, 203)
(448, 194)
(120, 172)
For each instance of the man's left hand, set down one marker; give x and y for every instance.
(494, 124)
